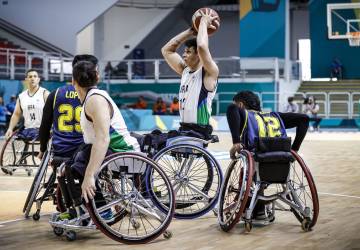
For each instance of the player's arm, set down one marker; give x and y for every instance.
(46, 94)
(211, 69)
(46, 123)
(174, 60)
(14, 119)
(101, 122)
(298, 121)
(236, 120)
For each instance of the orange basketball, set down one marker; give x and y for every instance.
(197, 17)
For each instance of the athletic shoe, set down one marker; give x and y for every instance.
(65, 216)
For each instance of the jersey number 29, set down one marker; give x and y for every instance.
(69, 114)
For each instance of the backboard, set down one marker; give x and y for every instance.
(343, 19)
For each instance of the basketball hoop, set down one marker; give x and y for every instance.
(354, 39)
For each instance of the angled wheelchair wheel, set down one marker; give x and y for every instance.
(303, 193)
(129, 212)
(42, 186)
(11, 154)
(196, 178)
(235, 191)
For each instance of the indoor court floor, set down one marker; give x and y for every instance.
(333, 158)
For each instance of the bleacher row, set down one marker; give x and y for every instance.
(17, 51)
(335, 98)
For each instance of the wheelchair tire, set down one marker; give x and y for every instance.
(8, 156)
(235, 191)
(132, 201)
(12, 155)
(205, 185)
(312, 193)
(36, 185)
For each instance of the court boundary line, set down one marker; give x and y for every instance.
(340, 195)
(3, 223)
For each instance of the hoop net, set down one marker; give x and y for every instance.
(354, 39)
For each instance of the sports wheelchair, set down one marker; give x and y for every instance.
(133, 201)
(44, 186)
(19, 153)
(272, 176)
(195, 174)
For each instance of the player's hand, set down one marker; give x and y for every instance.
(40, 155)
(8, 134)
(236, 148)
(88, 188)
(192, 31)
(208, 19)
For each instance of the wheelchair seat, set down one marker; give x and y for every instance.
(273, 157)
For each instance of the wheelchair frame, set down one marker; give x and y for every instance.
(248, 192)
(91, 219)
(19, 162)
(43, 180)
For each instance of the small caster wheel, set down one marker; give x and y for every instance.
(70, 235)
(10, 172)
(248, 226)
(272, 218)
(29, 172)
(36, 216)
(58, 231)
(135, 224)
(305, 225)
(167, 234)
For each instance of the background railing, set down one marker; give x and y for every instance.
(55, 67)
(331, 104)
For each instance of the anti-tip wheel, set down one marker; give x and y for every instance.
(135, 224)
(305, 225)
(36, 216)
(167, 234)
(58, 231)
(248, 226)
(70, 235)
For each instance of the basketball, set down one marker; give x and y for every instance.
(197, 17)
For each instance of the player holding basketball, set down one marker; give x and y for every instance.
(198, 71)
(30, 104)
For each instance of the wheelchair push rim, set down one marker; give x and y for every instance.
(235, 191)
(306, 192)
(132, 201)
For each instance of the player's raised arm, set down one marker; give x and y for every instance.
(169, 51)
(211, 69)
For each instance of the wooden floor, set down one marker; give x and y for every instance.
(334, 160)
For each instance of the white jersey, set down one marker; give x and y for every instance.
(32, 107)
(195, 99)
(120, 138)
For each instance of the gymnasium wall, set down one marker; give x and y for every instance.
(262, 28)
(113, 38)
(56, 22)
(224, 43)
(323, 50)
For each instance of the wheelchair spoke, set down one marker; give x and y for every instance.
(195, 189)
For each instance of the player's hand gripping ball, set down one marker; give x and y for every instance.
(211, 17)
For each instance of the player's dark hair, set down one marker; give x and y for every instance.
(249, 99)
(85, 74)
(85, 57)
(290, 99)
(191, 43)
(30, 70)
